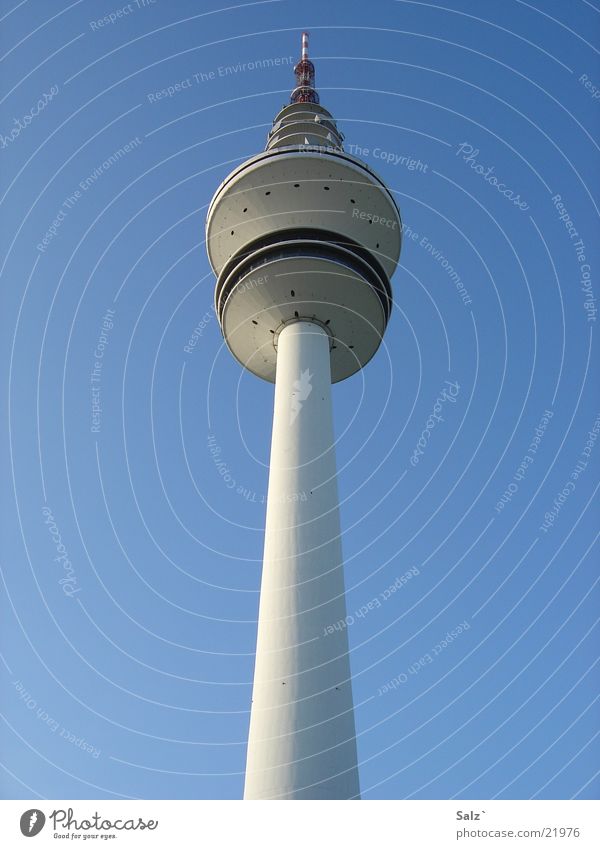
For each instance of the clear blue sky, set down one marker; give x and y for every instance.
(132, 677)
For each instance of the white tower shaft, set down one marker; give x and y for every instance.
(302, 738)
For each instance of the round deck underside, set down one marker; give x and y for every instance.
(303, 287)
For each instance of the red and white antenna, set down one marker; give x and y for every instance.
(305, 77)
(305, 45)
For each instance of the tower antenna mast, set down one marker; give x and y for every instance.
(304, 91)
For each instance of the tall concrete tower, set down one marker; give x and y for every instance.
(304, 239)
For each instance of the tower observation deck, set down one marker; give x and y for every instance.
(304, 239)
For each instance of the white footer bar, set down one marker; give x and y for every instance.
(302, 825)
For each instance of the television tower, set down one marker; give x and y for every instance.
(304, 239)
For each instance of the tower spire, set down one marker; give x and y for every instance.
(305, 77)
